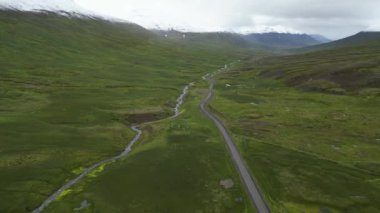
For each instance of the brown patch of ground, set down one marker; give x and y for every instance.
(140, 118)
(275, 74)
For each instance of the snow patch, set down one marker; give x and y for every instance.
(44, 5)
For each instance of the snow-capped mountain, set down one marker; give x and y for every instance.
(49, 5)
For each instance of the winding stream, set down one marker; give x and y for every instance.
(180, 99)
(126, 151)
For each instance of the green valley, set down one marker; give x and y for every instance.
(103, 115)
(70, 89)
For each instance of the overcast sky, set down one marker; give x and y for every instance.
(332, 18)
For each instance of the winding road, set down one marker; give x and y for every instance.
(126, 151)
(250, 185)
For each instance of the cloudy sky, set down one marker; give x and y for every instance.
(332, 18)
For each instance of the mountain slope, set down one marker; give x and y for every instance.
(347, 66)
(359, 39)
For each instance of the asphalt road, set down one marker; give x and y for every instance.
(251, 186)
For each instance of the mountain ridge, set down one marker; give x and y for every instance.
(282, 40)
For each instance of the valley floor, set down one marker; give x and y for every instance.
(177, 166)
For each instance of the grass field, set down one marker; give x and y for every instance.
(69, 90)
(311, 150)
(176, 167)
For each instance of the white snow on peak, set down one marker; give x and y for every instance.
(49, 5)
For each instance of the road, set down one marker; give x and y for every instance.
(251, 186)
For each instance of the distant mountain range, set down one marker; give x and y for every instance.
(269, 40)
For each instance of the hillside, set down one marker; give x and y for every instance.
(352, 67)
(71, 88)
(308, 126)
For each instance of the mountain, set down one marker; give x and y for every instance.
(321, 38)
(257, 40)
(282, 40)
(271, 40)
